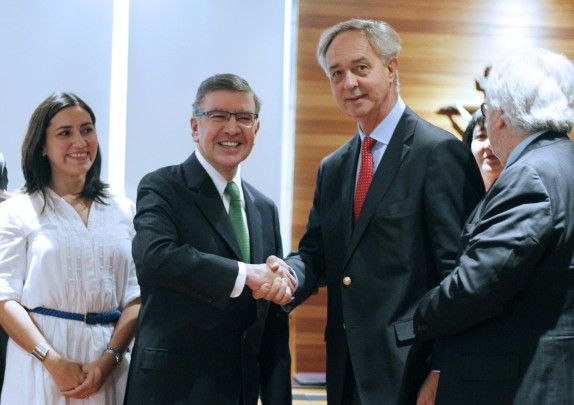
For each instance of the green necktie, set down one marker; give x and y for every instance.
(236, 217)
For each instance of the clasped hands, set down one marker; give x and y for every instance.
(76, 380)
(271, 281)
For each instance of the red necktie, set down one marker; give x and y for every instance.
(365, 175)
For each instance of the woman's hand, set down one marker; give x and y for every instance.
(66, 373)
(96, 374)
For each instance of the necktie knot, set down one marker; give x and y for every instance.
(368, 143)
(233, 191)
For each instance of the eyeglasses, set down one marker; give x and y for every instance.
(483, 110)
(245, 119)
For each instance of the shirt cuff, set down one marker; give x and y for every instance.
(239, 281)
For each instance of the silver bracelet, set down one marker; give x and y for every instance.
(41, 351)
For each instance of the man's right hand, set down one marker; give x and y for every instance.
(271, 281)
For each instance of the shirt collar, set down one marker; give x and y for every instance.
(218, 180)
(383, 132)
(513, 156)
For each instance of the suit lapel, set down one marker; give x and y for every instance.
(209, 202)
(254, 224)
(348, 168)
(396, 151)
(256, 238)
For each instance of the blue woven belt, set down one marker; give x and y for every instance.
(90, 318)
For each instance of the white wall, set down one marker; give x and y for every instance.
(173, 45)
(47, 46)
(176, 44)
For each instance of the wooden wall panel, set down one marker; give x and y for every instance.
(446, 45)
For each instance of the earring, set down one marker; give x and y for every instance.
(43, 154)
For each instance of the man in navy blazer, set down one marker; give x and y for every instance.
(405, 240)
(202, 338)
(506, 312)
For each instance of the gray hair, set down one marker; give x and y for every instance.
(535, 90)
(224, 81)
(383, 38)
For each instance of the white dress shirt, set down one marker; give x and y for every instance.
(220, 183)
(382, 134)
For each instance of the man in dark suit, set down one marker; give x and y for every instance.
(202, 338)
(404, 238)
(506, 312)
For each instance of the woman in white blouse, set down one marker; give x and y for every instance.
(69, 297)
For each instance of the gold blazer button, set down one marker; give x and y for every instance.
(347, 280)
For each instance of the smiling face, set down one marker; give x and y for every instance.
(225, 144)
(360, 83)
(490, 166)
(71, 144)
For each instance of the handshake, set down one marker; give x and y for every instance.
(271, 281)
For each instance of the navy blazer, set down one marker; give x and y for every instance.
(506, 312)
(194, 344)
(404, 243)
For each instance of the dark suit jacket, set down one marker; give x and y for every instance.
(507, 310)
(194, 344)
(404, 242)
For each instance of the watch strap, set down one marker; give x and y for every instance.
(116, 352)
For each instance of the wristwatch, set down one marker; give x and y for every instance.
(116, 352)
(41, 351)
